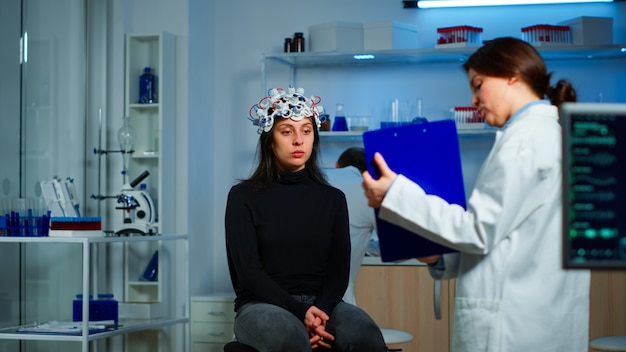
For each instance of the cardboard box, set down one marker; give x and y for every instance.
(336, 36)
(389, 36)
(590, 30)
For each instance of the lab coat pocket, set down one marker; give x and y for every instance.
(476, 325)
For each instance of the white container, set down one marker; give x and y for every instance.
(587, 30)
(336, 36)
(389, 36)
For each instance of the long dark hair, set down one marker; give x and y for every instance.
(510, 57)
(268, 171)
(354, 156)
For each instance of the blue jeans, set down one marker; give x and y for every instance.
(267, 327)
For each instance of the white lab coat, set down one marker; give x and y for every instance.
(362, 219)
(511, 291)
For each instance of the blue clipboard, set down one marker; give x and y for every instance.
(428, 154)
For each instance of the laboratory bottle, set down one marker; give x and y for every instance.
(326, 124)
(298, 42)
(340, 124)
(288, 45)
(147, 87)
(151, 272)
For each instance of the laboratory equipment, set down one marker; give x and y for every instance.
(459, 36)
(139, 211)
(61, 197)
(340, 124)
(594, 172)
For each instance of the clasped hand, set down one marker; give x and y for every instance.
(375, 190)
(315, 322)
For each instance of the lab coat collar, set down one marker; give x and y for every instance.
(523, 109)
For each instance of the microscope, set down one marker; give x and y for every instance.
(140, 216)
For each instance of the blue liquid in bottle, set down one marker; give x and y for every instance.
(147, 87)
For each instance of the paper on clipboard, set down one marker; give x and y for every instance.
(428, 154)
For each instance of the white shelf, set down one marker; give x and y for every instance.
(144, 106)
(89, 240)
(126, 327)
(340, 134)
(145, 155)
(438, 55)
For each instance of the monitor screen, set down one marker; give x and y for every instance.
(594, 185)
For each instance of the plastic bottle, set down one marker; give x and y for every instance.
(147, 87)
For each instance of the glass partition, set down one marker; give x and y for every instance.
(42, 114)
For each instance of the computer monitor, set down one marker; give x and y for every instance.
(594, 185)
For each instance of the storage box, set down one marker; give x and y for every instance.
(336, 36)
(102, 308)
(389, 36)
(590, 30)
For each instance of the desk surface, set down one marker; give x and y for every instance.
(609, 343)
(367, 260)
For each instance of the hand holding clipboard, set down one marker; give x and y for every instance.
(429, 155)
(376, 191)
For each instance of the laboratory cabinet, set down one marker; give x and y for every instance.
(402, 297)
(83, 268)
(212, 319)
(607, 306)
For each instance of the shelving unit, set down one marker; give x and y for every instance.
(155, 122)
(154, 150)
(387, 58)
(395, 58)
(170, 317)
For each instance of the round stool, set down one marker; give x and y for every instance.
(235, 346)
(609, 343)
(393, 336)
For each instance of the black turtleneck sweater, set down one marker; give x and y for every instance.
(291, 238)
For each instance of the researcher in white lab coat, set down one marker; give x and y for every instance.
(512, 293)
